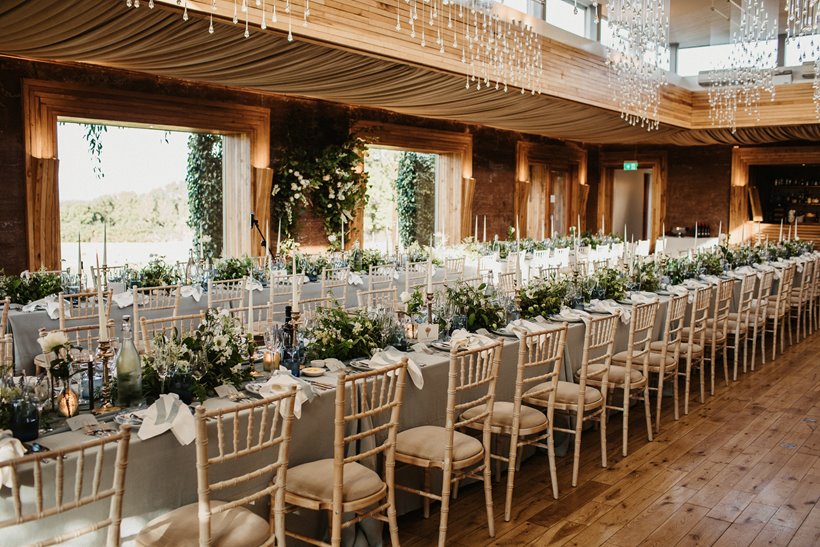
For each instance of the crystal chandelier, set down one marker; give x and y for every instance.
(497, 52)
(749, 68)
(639, 51)
(803, 27)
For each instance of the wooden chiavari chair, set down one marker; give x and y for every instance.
(800, 302)
(163, 299)
(416, 273)
(4, 317)
(381, 298)
(280, 287)
(512, 260)
(263, 316)
(75, 491)
(540, 355)
(454, 268)
(471, 383)
(81, 308)
(474, 282)
(778, 309)
(381, 277)
(345, 483)
(210, 521)
(181, 325)
(586, 403)
(309, 306)
(717, 331)
(739, 322)
(335, 281)
(629, 370)
(228, 293)
(815, 298)
(6, 354)
(507, 284)
(694, 343)
(486, 264)
(665, 354)
(760, 307)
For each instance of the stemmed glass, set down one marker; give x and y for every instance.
(41, 394)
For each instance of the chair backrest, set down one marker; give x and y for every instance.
(309, 306)
(6, 355)
(252, 428)
(4, 317)
(642, 248)
(227, 293)
(807, 282)
(722, 306)
(674, 325)
(698, 318)
(81, 308)
(744, 305)
(486, 263)
(540, 256)
(785, 287)
(72, 492)
(512, 260)
(640, 336)
(381, 276)
(471, 383)
(263, 316)
(416, 272)
(334, 281)
(454, 268)
(599, 341)
(560, 257)
(762, 296)
(602, 264)
(184, 325)
(380, 298)
(280, 286)
(163, 298)
(506, 284)
(84, 337)
(540, 356)
(474, 282)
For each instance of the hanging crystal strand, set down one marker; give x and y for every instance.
(235, 17)
(422, 24)
(273, 18)
(290, 20)
(211, 17)
(128, 3)
(247, 32)
(306, 13)
(398, 15)
(185, 12)
(150, 4)
(263, 25)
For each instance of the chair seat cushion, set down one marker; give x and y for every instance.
(654, 357)
(180, 528)
(427, 442)
(503, 415)
(617, 374)
(697, 349)
(567, 393)
(721, 336)
(315, 480)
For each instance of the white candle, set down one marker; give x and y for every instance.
(696, 234)
(103, 325)
(279, 235)
(200, 256)
(720, 230)
(105, 243)
(552, 226)
(789, 237)
(250, 305)
(429, 274)
(267, 243)
(780, 237)
(407, 275)
(475, 238)
(603, 225)
(343, 236)
(795, 229)
(79, 260)
(294, 299)
(517, 233)
(485, 228)
(578, 235)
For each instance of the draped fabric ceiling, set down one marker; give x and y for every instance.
(158, 41)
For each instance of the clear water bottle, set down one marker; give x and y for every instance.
(129, 369)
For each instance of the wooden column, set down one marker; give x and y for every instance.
(261, 186)
(45, 201)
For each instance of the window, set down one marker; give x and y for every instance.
(801, 49)
(520, 5)
(568, 16)
(692, 60)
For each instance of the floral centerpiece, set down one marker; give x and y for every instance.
(312, 265)
(61, 368)
(344, 335)
(157, 273)
(28, 287)
(612, 282)
(215, 354)
(481, 310)
(645, 275)
(232, 268)
(543, 296)
(7, 395)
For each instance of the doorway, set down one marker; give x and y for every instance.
(632, 203)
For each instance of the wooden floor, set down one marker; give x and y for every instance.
(741, 469)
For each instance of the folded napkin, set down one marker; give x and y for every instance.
(769, 268)
(744, 270)
(253, 285)
(391, 356)
(49, 303)
(354, 279)
(610, 306)
(522, 327)
(677, 290)
(694, 284)
(279, 383)
(10, 448)
(643, 297)
(124, 299)
(713, 279)
(421, 347)
(331, 364)
(468, 340)
(168, 412)
(569, 314)
(192, 291)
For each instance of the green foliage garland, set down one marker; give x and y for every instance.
(415, 194)
(22, 289)
(204, 180)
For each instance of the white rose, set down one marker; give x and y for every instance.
(52, 340)
(326, 178)
(297, 173)
(404, 297)
(293, 186)
(332, 238)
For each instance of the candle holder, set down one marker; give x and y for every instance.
(104, 353)
(295, 316)
(429, 308)
(105, 277)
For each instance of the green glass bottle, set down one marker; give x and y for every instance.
(129, 369)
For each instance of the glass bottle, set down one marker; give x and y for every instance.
(129, 370)
(189, 267)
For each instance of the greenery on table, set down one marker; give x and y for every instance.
(360, 260)
(215, 354)
(482, 310)
(646, 275)
(204, 181)
(613, 283)
(710, 263)
(22, 289)
(232, 268)
(543, 296)
(680, 269)
(341, 334)
(312, 265)
(415, 196)
(7, 395)
(158, 273)
(595, 240)
(57, 342)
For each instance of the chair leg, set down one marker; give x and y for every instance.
(712, 366)
(762, 346)
(425, 500)
(602, 430)
(702, 367)
(675, 385)
(648, 410)
(687, 384)
(625, 427)
(392, 520)
(488, 486)
(788, 320)
(551, 457)
(511, 475)
(661, 374)
(726, 362)
(577, 453)
(774, 339)
(445, 504)
(736, 350)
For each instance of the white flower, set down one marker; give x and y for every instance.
(297, 195)
(332, 238)
(297, 173)
(205, 239)
(326, 178)
(52, 341)
(293, 186)
(404, 297)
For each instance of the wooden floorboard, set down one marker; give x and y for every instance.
(743, 468)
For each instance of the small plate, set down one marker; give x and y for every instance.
(312, 372)
(360, 365)
(133, 418)
(504, 332)
(561, 319)
(441, 346)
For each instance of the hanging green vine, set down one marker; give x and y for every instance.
(415, 195)
(93, 136)
(204, 181)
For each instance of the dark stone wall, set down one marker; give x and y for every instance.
(698, 186)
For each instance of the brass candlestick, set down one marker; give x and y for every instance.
(105, 277)
(294, 320)
(429, 308)
(104, 353)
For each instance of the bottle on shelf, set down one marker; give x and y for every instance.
(129, 369)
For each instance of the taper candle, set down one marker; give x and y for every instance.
(103, 322)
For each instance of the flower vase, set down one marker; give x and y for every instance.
(182, 385)
(24, 419)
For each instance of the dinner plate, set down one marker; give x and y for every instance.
(561, 319)
(133, 418)
(312, 371)
(442, 346)
(504, 332)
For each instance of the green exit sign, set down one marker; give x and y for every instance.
(630, 166)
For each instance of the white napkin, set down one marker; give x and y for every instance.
(279, 383)
(569, 314)
(49, 303)
(610, 306)
(192, 291)
(253, 285)
(643, 297)
(521, 327)
(391, 356)
(168, 412)
(468, 340)
(713, 279)
(677, 290)
(10, 448)
(744, 270)
(421, 347)
(694, 284)
(332, 364)
(124, 299)
(354, 279)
